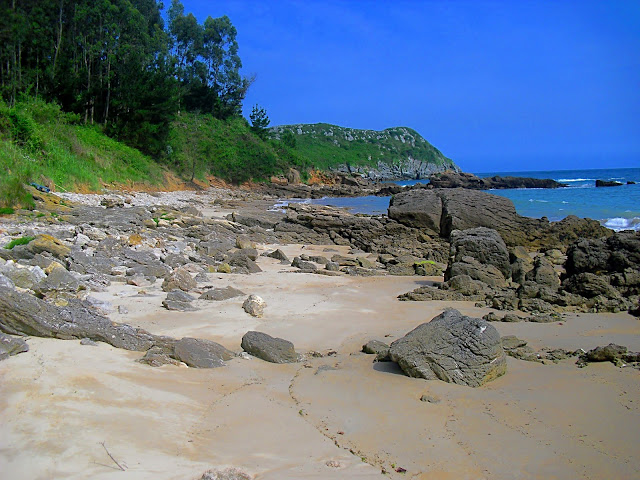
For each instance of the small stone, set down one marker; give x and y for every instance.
(254, 305)
(224, 268)
(429, 399)
(88, 341)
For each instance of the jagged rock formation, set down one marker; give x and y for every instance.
(393, 153)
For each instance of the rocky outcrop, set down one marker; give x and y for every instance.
(450, 179)
(607, 183)
(482, 244)
(24, 314)
(268, 348)
(441, 211)
(453, 348)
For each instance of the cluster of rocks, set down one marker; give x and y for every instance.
(595, 275)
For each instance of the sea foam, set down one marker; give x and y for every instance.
(619, 223)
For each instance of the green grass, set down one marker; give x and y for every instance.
(18, 241)
(40, 143)
(228, 149)
(6, 211)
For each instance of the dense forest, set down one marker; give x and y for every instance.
(116, 63)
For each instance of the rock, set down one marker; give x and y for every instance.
(156, 357)
(11, 346)
(47, 243)
(429, 399)
(23, 277)
(179, 301)
(607, 183)
(451, 179)
(428, 268)
(243, 243)
(543, 273)
(511, 342)
(319, 259)
(59, 279)
(200, 353)
(469, 266)
(224, 268)
(270, 349)
(226, 474)
(88, 342)
(179, 279)
(254, 306)
(453, 348)
(243, 264)
(279, 255)
(332, 267)
(303, 265)
(293, 176)
(112, 202)
(418, 209)
(611, 353)
(252, 253)
(482, 244)
(377, 348)
(343, 261)
(590, 285)
(467, 285)
(6, 282)
(24, 314)
(219, 294)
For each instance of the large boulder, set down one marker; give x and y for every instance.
(615, 254)
(484, 245)
(453, 348)
(417, 208)
(200, 353)
(268, 348)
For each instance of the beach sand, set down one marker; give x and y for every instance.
(335, 416)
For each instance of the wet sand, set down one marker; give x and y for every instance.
(337, 416)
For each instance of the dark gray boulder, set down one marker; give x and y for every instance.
(453, 348)
(11, 346)
(484, 245)
(268, 348)
(417, 209)
(469, 266)
(219, 294)
(200, 353)
(59, 279)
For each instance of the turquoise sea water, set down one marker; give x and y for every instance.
(615, 207)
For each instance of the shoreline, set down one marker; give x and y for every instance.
(336, 413)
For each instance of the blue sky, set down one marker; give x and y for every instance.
(495, 85)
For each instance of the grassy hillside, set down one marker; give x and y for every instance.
(328, 146)
(39, 143)
(228, 149)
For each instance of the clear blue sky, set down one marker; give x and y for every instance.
(496, 85)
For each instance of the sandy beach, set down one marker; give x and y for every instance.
(336, 414)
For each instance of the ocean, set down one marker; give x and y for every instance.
(615, 207)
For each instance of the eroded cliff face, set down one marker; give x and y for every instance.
(390, 154)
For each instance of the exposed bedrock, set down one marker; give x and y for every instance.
(441, 211)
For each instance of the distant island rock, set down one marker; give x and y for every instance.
(607, 183)
(398, 153)
(471, 181)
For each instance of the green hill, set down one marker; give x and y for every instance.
(392, 153)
